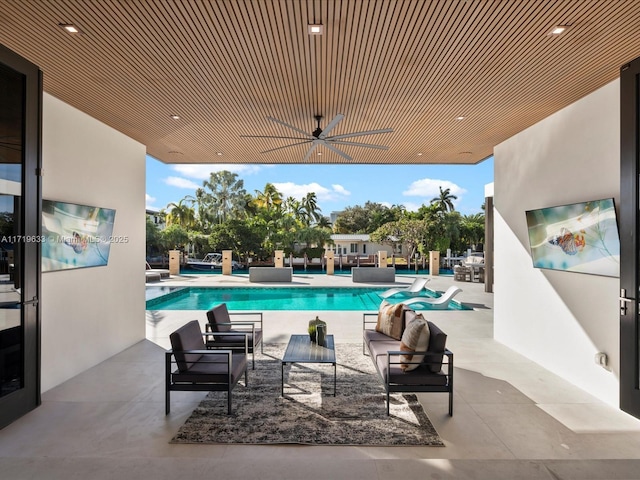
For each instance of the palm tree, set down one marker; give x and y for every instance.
(310, 209)
(227, 194)
(270, 199)
(324, 222)
(181, 214)
(203, 201)
(445, 200)
(294, 208)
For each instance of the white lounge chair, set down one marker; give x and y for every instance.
(414, 289)
(439, 303)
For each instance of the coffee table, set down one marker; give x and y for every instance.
(300, 349)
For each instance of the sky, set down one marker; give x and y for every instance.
(336, 186)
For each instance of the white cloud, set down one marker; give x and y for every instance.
(202, 171)
(181, 183)
(340, 190)
(429, 188)
(297, 191)
(149, 201)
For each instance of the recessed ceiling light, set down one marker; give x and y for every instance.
(69, 27)
(219, 154)
(175, 117)
(419, 154)
(558, 29)
(460, 118)
(316, 29)
(319, 153)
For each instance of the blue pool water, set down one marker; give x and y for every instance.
(276, 298)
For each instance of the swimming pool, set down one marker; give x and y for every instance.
(275, 298)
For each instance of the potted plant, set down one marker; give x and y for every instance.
(313, 324)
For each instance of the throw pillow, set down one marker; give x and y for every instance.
(390, 319)
(414, 339)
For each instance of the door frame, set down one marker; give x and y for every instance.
(629, 229)
(16, 404)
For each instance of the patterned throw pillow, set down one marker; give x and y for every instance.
(414, 339)
(390, 319)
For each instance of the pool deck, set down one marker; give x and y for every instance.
(345, 325)
(512, 418)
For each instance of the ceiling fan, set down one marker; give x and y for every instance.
(321, 137)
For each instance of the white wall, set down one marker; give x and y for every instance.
(558, 319)
(90, 314)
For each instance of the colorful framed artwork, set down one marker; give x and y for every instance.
(580, 237)
(75, 236)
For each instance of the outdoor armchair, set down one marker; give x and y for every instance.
(230, 334)
(200, 369)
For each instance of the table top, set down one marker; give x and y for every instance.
(301, 350)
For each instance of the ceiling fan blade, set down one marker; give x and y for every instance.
(314, 144)
(271, 136)
(285, 146)
(360, 134)
(339, 152)
(289, 126)
(336, 120)
(357, 144)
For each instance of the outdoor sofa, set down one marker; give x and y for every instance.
(402, 364)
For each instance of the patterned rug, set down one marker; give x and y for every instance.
(309, 413)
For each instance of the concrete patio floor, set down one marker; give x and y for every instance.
(512, 418)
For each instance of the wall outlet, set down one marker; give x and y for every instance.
(602, 359)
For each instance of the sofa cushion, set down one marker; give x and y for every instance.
(373, 336)
(380, 348)
(415, 338)
(437, 343)
(390, 318)
(395, 375)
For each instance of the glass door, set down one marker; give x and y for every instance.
(20, 117)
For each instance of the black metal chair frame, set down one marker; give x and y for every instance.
(400, 387)
(175, 385)
(210, 343)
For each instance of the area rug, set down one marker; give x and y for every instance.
(309, 413)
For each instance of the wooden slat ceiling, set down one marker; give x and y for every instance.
(224, 66)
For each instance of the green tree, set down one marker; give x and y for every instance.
(203, 211)
(181, 213)
(226, 197)
(311, 212)
(314, 237)
(237, 236)
(445, 200)
(153, 236)
(324, 222)
(410, 232)
(293, 207)
(367, 218)
(174, 237)
(269, 200)
(472, 229)
(352, 220)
